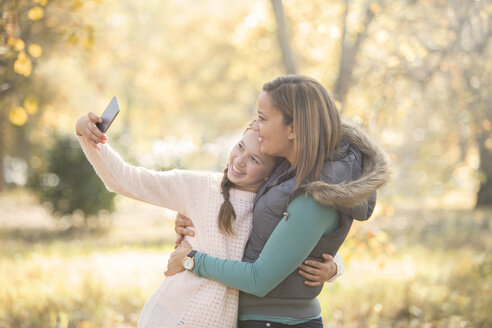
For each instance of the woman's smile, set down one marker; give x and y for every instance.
(274, 136)
(260, 138)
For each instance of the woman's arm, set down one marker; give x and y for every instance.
(290, 243)
(315, 272)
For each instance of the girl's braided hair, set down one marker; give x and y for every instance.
(227, 215)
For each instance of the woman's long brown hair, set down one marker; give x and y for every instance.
(306, 104)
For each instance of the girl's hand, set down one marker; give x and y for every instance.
(86, 127)
(318, 272)
(175, 263)
(181, 225)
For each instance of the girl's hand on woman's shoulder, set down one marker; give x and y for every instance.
(86, 128)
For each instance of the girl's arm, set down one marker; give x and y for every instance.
(317, 273)
(339, 263)
(170, 189)
(290, 243)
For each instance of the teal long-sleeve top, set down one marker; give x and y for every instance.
(288, 246)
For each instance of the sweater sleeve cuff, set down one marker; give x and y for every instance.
(338, 261)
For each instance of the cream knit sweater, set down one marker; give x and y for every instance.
(183, 300)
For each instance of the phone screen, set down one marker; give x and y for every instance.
(109, 115)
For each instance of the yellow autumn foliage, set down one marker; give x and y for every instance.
(42, 2)
(23, 64)
(73, 38)
(35, 13)
(18, 116)
(35, 50)
(31, 105)
(16, 44)
(77, 4)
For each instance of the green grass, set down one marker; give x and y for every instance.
(409, 269)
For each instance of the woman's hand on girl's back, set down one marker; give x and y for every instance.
(86, 127)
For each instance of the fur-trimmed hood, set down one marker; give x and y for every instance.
(350, 181)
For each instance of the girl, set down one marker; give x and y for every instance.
(329, 177)
(220, 205)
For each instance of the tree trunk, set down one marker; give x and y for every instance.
(3, 184)
(348, 55)
(3, 127)
(283, 38)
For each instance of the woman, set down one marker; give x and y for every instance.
(329, 177)
(220, 206)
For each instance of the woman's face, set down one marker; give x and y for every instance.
(276, 138)
(248, 168)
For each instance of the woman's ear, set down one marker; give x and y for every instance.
(291, 135)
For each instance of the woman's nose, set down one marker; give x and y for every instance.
(256, 127)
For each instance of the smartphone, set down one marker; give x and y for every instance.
(109, 115)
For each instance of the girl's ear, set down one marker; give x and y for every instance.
(291, 135)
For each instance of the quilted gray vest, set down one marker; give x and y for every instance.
(272, 200)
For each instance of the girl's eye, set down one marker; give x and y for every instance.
(261, 118)
(255, 161)
(240, 146)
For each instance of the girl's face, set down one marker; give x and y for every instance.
(248, 168)
(276, 138)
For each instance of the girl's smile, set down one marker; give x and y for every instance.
(248, 168)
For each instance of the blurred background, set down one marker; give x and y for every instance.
(416, 74)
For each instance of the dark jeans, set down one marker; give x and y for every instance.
(315, 323)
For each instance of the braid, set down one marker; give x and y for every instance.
(226, 212)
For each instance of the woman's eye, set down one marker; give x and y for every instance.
(240, 146)
(254, 160)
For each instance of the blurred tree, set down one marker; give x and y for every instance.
(204, 85)
(445, 53)
(416, 73)
(283, 37)
(68, 181)
(350, 44)
(29, 31)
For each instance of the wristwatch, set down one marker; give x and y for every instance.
(188, 261)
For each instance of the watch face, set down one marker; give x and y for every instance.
(188, 263)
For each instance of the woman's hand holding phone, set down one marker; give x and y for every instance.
(86, 127)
